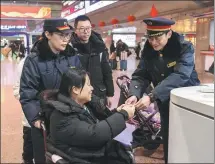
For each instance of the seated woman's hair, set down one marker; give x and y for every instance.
(73, 77)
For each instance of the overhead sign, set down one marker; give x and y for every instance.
(130, 39)
(66, 4)
(125, 30)
(96, 4)
(93, 1)
(74, 10)
(25, 12)
(12, 27)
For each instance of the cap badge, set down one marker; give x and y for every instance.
(149, 23)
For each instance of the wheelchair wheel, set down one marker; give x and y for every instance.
(143, 138)
(152, 146)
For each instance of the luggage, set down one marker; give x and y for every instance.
(123, 61)
(113, 64)
(123, 65)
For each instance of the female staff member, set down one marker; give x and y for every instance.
(50, 57)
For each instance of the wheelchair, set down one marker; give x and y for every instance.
(52, 154)
(148, 132)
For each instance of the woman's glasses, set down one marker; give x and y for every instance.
(64, 36)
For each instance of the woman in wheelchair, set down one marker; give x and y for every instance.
(75, 129)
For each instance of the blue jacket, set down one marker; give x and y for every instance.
(43, 70)
(173, 67)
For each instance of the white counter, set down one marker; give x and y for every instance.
(191, 126)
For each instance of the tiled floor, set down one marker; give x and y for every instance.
(11, 127)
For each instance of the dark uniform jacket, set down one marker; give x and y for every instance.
(94, 58)
(77, 132)
(171, 68)
(43, 70)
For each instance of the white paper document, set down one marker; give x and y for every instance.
(125, 136)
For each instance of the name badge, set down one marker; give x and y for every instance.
(171, 64)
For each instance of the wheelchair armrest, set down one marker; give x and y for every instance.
(52, 150)
(56, 158)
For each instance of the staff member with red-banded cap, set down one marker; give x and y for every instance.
(50, 57)
(167, 62)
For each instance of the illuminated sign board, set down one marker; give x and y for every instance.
(13, 24)
(12, 27)
(96, 4)
(75, 8)
(129, 39)
(67, 4)
(25, 12)
(125, 30)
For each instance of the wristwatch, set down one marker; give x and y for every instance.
(152, 98)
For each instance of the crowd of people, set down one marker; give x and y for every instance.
(73, 62)
(119, 54)
(14, 50)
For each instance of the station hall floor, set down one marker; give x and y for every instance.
(11, 118)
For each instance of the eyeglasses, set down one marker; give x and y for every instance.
(64, 36)
(82, 30)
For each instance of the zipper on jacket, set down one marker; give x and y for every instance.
(88, 113)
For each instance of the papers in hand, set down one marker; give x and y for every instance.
(125, 137)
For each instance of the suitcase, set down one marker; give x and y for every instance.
(113, 64)
(123, 65)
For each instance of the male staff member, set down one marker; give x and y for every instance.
(168, 62)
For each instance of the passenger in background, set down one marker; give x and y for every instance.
(13, 47)
(27, 154)
(137, 50)
(142, 44)
(94, 57)
(112, 47)
(22, 50)
(122, 52)
(112, 57)
(50, 57)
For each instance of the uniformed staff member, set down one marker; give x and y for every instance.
(50, 57)
(167, 62)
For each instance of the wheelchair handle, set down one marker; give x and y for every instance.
(43, 127)
(121, 78)
(42, 124)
